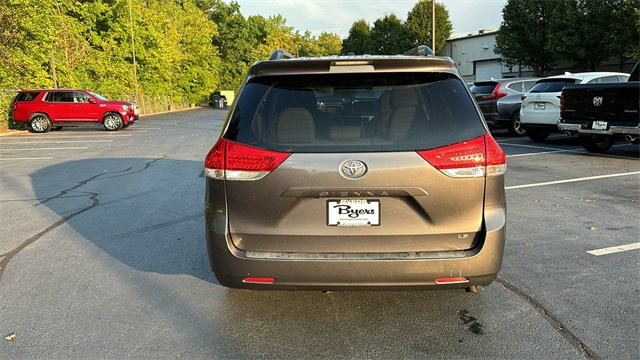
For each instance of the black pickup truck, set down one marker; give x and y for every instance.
(600, 114)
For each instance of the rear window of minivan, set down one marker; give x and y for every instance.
(354, 112)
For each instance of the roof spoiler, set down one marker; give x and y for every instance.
(421, 50)
(280, 54)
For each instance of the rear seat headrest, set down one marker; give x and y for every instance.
(295, 125)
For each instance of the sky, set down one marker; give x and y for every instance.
(337, 16)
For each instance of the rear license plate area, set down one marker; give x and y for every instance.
(353, 212)
(599, 125)
(539, 106)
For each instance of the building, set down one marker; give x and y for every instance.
(474, 54)
(476, 59)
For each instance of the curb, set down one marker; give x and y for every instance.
(12, 132)
(22, 132)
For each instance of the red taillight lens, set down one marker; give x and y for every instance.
(498, 94)
(452, 280)
(496, 158)
(234, 161)
(562, 101)
(472, 158)
(254, 280)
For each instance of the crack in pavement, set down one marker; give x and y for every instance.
(11, 254)
(102, 176)
(93, 196)
(551, 319)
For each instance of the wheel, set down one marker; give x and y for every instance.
(515, 126)
(112, 122)
(538, 134)
(598, 144)
(40, 124)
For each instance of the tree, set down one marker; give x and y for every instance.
(525, 33)
(359, 39)
(584, 31)
(420, 27)
(626, 27)
(389, 36)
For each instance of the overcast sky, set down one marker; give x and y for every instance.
(336, 16)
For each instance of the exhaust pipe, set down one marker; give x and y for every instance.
(568, 133)
(630, 138)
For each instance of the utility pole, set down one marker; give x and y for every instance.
(133, 53)
(53, 67)
(433, 25)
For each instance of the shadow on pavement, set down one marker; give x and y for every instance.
(145, 213)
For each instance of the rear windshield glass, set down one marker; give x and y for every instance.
(27, 96)
(354, 112)
(551, 86)
(483, 88)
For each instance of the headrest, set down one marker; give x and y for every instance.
(295, 125)
(405, 96)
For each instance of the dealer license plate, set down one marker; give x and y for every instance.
(599, 125)
(353, 212)
(539, 106)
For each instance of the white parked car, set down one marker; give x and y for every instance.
(540, 110)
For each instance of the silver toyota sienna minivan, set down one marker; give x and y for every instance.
(355, 172)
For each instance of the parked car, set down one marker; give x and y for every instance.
(500, 101)
(600, 114)
(402, 186)
(42, 110)
(540, 110)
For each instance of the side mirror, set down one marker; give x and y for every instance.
(93, 101)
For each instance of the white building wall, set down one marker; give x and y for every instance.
(475, 52)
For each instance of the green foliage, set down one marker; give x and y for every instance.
(390, 35)
(420, 27)
(539, 33)
(525, 34)
(359, 39)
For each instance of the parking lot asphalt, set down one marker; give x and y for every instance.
(103, 256)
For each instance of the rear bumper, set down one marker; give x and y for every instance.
(343, 271)
(582, 128)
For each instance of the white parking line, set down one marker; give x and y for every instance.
(29, 158)
(542, 147)
(37, 149)
(571, 180)
(615, 249)
(21, 137)
(537, 153)
(61, 141)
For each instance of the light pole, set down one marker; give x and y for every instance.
(133, 53)
(433, 25)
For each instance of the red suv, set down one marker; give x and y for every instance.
(41, 110)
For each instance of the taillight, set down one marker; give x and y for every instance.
(233, 161)
(495, 94)
(562, 101)
(498, 94)
(478, 157)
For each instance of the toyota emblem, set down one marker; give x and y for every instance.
(353, 169)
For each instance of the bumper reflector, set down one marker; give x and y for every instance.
(455, 280)
(251, 280)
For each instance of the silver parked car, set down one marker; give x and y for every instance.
(355, 172)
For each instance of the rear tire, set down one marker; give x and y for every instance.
(40, 124)
(598, 144)
(515, 126)
(112, 122)
(538, 134)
